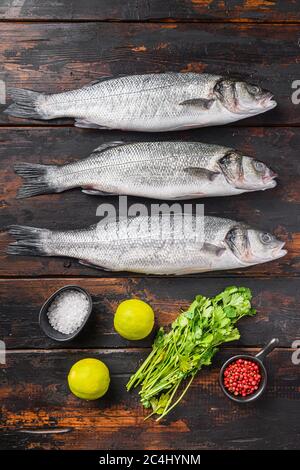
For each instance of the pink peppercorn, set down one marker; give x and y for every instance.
(242, 377)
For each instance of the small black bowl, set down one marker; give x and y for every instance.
(258, 359)
(44, 321)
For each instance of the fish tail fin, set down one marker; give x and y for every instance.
(37, 179)
(28, 241)
(26, 104)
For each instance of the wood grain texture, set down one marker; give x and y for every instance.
(277, 302)
(101, 38)
(274, 210)
(143, 10)
(57, 57)
(35, 396)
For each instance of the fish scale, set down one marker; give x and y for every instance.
(149, 103)
(161, 170)
(177, 244)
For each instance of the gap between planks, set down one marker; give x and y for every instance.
(149, 276)
(154, 21)
(49, 126)
(128, 349)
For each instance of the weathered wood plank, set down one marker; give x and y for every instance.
(35, 395)
(277, 302)
(56, 57)
(142, 10)
(275, 210)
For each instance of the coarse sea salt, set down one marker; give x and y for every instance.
(68, 311)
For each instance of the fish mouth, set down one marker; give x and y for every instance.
(270, 184)
(269, 179)
(268, 101)
(279, 252)
(272, 174)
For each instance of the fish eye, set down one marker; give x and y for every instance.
(266, 237)
(253, 89)
(259, 166)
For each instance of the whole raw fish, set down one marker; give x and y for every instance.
(150, 102)
(181, 244)
(162, 170)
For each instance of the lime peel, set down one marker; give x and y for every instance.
(89, 379)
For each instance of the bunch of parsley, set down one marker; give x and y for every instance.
(191, 342)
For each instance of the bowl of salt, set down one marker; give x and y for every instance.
(64, 314)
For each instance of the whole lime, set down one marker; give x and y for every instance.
(89, 379)
(134, 319)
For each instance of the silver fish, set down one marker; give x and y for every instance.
(181, 244)
(150, 102)
(162, 170)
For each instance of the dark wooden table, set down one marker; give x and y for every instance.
(53, 46)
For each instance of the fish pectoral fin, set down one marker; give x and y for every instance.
(108, 145)
(202, 173)
(88, 125)
(95, 192)
(220, 251)
(202, 103)
(91, 265)
(213, 249)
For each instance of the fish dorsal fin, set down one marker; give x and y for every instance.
(201, 103)
(108, 145)
(202, 173)
(105, 78)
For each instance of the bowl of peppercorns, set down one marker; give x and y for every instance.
(243, 378)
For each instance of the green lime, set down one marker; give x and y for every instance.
(89, 379)
(134, 319)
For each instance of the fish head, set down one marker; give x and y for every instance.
(254, 246)
(257, 175)
(246, 173)
(243, 98)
